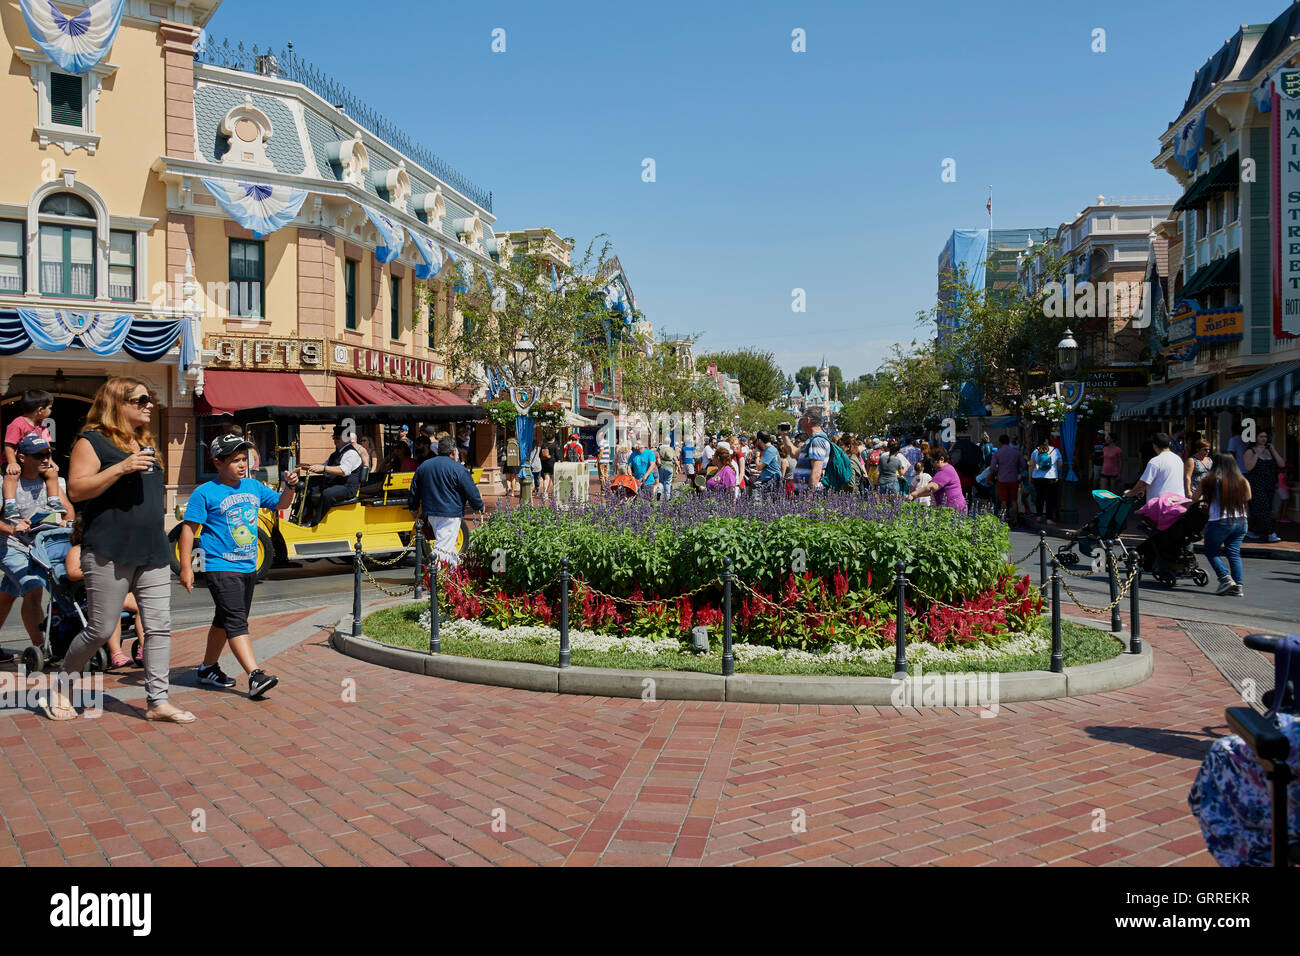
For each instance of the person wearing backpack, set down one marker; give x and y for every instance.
(667, 467)
(813, 456)
(890, 466)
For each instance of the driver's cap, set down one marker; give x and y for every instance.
(223, 446)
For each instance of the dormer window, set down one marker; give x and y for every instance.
(432, 206)
(398, 186)
(352, 158)
(247, 130)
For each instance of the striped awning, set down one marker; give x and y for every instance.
(1274, 387)
(1168, 402)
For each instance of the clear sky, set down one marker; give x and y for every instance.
(775, 170)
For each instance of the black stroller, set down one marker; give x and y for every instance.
(65, 616)
(1168, 554)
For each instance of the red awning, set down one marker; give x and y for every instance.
(226, 391)
(364, 391)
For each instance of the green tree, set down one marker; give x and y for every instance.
(760, 377)
(757, 417)
(805, 377)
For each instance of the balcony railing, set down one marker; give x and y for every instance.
(288, 65)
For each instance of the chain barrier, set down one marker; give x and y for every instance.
(1123, 590)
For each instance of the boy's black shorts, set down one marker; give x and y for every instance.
(232, 592)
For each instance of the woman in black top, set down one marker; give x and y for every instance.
(116, 477)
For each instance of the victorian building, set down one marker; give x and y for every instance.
(231, 227)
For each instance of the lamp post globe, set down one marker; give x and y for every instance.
(1067, 353)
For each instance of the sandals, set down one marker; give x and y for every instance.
(173, 716)
(55, 712)
(118, 661)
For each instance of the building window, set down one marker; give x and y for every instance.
(1232, 198)
(12, 263)
(1202, 218)
(395, 309)
(67, 100)
(68, 261)
(247, 278)
(121, 266)
(350, 294)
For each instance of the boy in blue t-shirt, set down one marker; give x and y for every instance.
(226, 510)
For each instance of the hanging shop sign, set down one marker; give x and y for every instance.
(1286, 200)
(389, 366)
(264, 353)
(1220, 325)
(1182, 324)
(1112, 378)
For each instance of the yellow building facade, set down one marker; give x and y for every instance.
(122, 206)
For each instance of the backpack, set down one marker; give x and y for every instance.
(873, 459)
(838, 475)
(573, 451)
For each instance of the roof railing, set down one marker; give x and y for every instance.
(288, 65)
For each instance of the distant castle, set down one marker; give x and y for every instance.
(817, 402)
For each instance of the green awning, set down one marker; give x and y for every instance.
(1220, 178)
(1219, 274)
(1171, 401)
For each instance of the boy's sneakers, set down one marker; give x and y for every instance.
(1272, 539)
(259, 682)
(1237, 591)
(55, 504)
(214, 676)
(1226, 586)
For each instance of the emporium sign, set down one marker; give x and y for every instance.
(1286, 200)
(389, 366)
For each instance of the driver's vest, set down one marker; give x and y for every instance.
(353, 481)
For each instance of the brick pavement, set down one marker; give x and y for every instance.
(417, 771)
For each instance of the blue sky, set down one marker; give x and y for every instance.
(775, 170)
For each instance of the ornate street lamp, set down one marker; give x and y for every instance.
(1071, 390)
(524, 397)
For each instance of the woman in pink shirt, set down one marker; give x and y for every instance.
(1112, 461)
(726, 476)
(945, 487)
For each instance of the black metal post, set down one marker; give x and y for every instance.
(900, 622)
(728, 659)
(418, 541)
(356, 588)
(564, 612)
(1042, 560)
(1112, 573)
(1058, 657)
(1281, 778)
(435, 638)
(1134, 613)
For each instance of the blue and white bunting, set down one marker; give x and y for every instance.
(75, 43)
(259, 208)
(391, 235)
(1262, 94)
(555, 282)
(431, 253)
(1188, 144)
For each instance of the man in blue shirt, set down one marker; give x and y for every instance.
(688, 457)
(440, 490)
(226, 512)
(813, 456)
(644, 464)
(770, 459)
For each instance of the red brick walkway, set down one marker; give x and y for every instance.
(423, 771)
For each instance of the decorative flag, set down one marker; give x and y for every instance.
(391, 235)
(431, 253)
(259, 208)
(75, 43)
(1188, 143)
(1262, 94)
(104, 333)
(457, 261)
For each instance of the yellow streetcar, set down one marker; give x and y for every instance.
(379, 511)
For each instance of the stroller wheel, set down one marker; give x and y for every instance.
(1165, 578)
(99, 661)
(1067, 557)
(1200, 577)
(33, 660)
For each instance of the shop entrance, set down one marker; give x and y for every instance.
(71, 404)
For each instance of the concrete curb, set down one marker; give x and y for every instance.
(970, 690)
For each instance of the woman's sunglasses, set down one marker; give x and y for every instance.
(144, 401)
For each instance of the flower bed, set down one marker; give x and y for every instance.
(810, 572)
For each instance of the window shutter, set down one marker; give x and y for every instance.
(65, 99)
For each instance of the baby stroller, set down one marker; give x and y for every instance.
(1167, 553)
(1105, 527)
(623, 488)
(65, 616)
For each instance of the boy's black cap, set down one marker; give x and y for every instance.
(223, 446)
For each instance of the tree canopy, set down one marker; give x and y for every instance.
(761, 379)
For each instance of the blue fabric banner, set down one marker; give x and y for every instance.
(259, 208)
(1070, 432)
(75, 43)
(104, 333)
(1262, 94)
(1188, 144)
(524, 434)
(391, 235)
(431, 253)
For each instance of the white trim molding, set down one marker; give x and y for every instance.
(68, 138)
(246, 129)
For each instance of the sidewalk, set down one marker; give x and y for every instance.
(347, 763)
